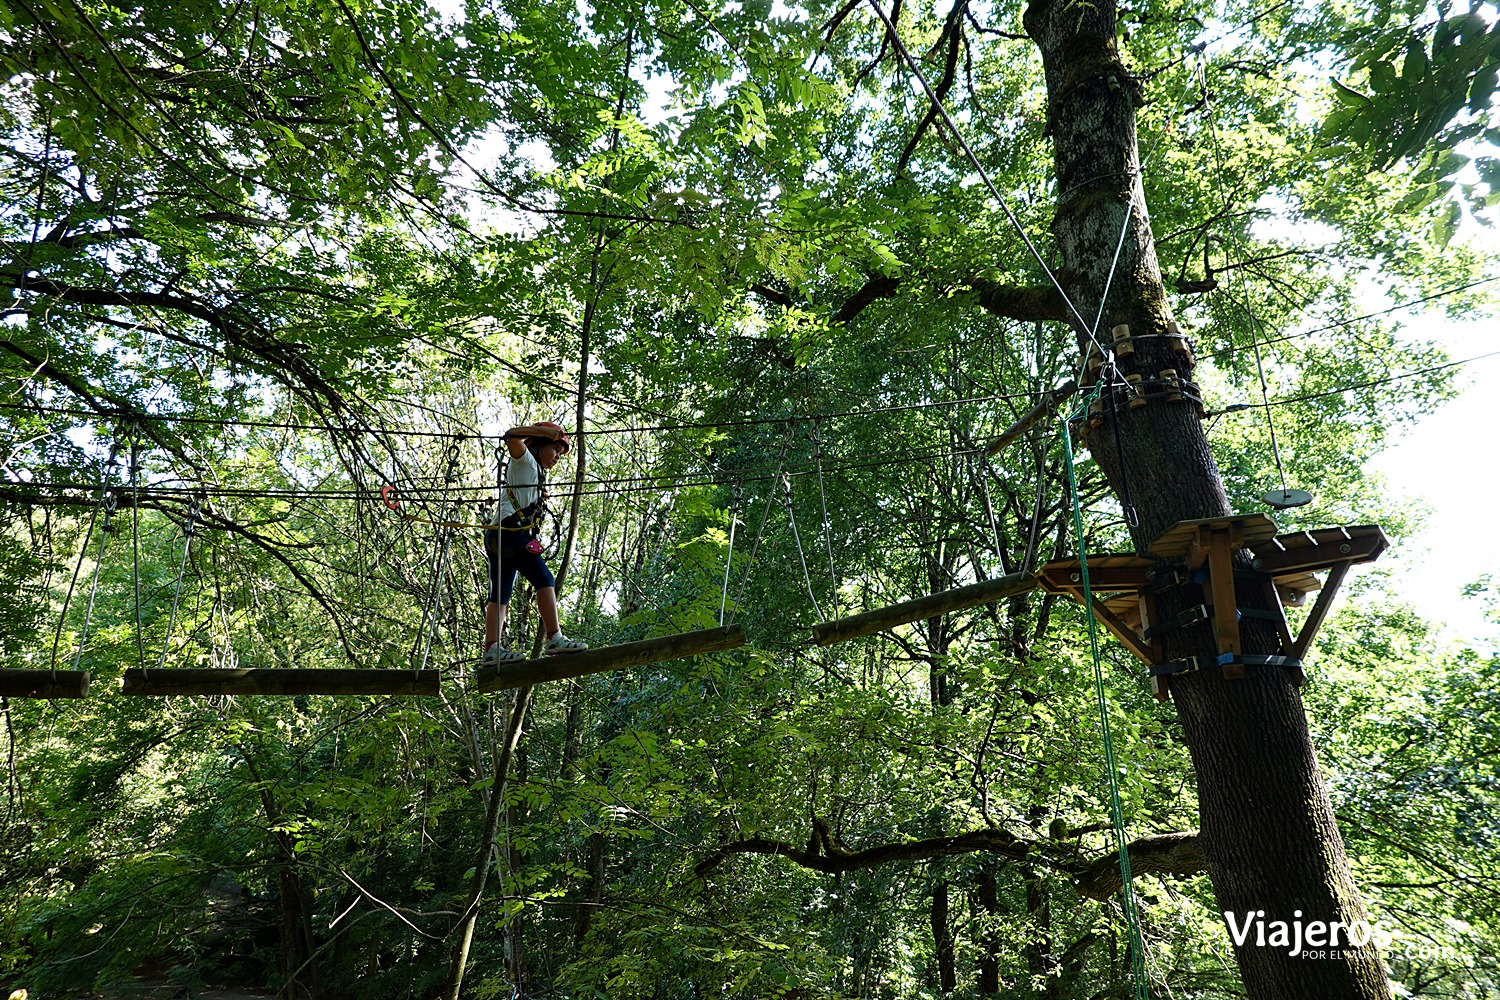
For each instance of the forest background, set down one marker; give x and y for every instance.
(267, 258)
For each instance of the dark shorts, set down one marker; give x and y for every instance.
(508, 556)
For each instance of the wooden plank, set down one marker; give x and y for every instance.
(288, 681)
(1307, 552)
(522, 673)
(44, 683)
(870, 622)
(1319, 611)
(1107, 574)
(1221, 546)
(1179, 539)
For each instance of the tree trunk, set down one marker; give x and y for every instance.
(942, 939)
(987, 896)
(1268, 831)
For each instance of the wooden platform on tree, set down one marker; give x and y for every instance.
(1186, 538)
(1115, 581)
(1108, 574)
(44, 683)
(1306, 552)
(957, 599)
(289, 681)
(523, 673)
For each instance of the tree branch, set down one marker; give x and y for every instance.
(1165, 854)
(878, 287)
(823, 855)
(1038, 302)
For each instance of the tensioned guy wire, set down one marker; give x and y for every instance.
(984, 175)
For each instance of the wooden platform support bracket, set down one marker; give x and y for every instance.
(523, 673)
(44, 683)
(1213, 542)
(284, 682)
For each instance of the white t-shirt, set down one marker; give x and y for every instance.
(523, 476)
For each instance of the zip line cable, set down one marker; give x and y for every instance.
(734, 519)
(354, 493)
(786, 442)
(602, 432)
(833, 575)
(83, 554)
(1341, 324)
(135, 545)
(791, 516)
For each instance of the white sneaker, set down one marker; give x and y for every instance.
(560, 643)
(499, 653)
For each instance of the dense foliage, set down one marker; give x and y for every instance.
(266, 258)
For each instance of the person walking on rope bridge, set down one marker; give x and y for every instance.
(512, 544)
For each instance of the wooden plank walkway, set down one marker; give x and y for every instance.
(523, 673)
(289, 681)
(880, 619)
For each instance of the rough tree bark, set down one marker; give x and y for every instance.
(1268, 833)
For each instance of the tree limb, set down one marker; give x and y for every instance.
(1165, 854)
(878, 287)
(823, 855)
(1039, 302)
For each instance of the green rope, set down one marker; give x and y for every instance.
(1127, 891)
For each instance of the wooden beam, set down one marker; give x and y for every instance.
(870, 622)
(1319, 610)
(271, 681)
(44, 683)
(1107, 575)
(1031, 418)
(1221, 546)
(1123, 632)
(1321, 549)
(522, 673)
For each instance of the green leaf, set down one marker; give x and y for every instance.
(1446, 225)
(1416, 64)
(1348, 95)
